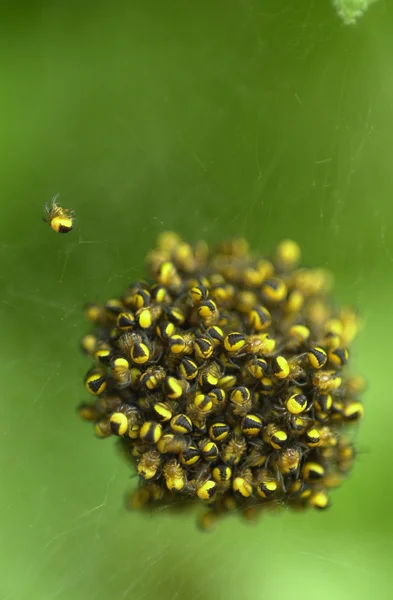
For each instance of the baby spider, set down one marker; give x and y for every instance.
(60, 219)
(293, 406)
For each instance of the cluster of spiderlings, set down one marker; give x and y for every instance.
(224, 377)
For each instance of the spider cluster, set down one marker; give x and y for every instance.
(224, 377)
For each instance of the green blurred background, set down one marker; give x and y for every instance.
(252, 117)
